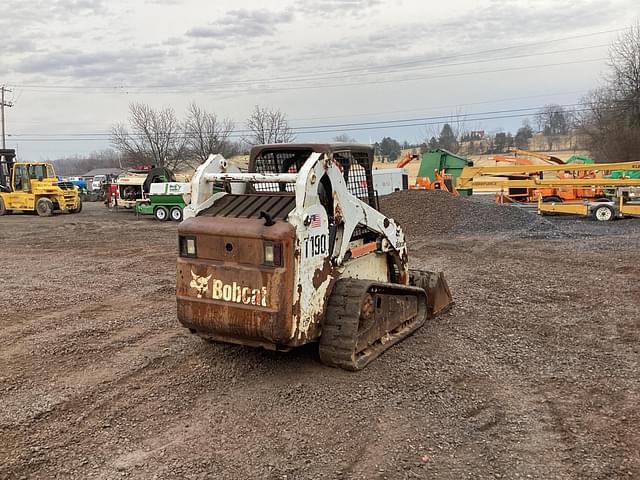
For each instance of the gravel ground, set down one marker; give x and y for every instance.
(533, 374)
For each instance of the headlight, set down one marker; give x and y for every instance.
(268, 254)
(187, 246)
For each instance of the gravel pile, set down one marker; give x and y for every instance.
(429, 212)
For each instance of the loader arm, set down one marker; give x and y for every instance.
(348, 210)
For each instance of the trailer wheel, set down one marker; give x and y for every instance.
(44, 207)
(604, 213)
(176, 214)
(161, 213)
(551, 200)
(3, 209)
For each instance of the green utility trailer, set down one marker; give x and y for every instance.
(165, 201)
(442, 160)
(580, 159)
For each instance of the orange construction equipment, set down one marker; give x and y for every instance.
(541, 156)
(528, 183)
(549, 194)
(442, 180)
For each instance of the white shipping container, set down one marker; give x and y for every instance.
(389, 180)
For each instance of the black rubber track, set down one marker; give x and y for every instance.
(340, 327)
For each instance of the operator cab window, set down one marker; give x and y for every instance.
(38, 172)
(21, 179)
(274, 161)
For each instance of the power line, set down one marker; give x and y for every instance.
(332, 129)
(410, 79)
(373, 114)
(456, 105)
(383, 69)
(364, 70)
(351, 124)
(359, 84)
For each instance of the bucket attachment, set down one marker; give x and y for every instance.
(439, 299)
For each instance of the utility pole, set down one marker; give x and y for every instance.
(3, 104)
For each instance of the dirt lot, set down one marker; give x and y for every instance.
(534, 373)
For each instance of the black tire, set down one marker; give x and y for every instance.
(3, 208)
(161, 213)
(552, 200)
(604, 213)
(78, 209)
(176, 214)
(44, 207)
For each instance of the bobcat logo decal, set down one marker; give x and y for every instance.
(200, 284)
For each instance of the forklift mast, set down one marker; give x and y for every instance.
(7, 159)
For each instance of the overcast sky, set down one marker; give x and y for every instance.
(75, 65)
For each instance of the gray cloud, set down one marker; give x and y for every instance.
(18, 44)
(76, 6)
(43, 11)
(173, 41)
(486, 27)
(335, 7)
(206, 45)
(74, 63)
(242, 24)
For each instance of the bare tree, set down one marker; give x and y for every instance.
(609, 127)
(268, 126)
(206, 134)
(624, 79)
(344, 138)
(553, 121)
(156, 137)
(452, 129)
(611, 114)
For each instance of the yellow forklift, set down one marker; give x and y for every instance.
(29, 187)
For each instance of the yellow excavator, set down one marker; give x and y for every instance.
(28, 187)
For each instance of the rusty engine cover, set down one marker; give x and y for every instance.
(227, 292)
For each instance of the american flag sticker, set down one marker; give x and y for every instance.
(314, 221)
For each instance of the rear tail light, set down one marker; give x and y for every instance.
(272, 254)
(188, 246)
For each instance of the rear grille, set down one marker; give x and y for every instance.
(250, 206)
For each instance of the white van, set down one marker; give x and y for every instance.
(97, 182)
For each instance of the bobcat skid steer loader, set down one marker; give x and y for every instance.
(296, 252)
